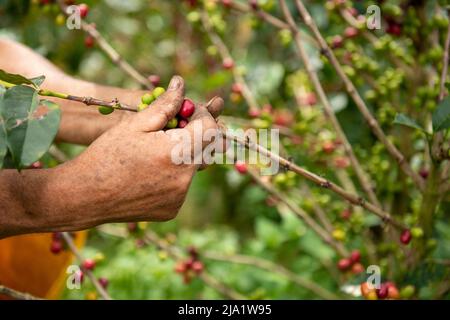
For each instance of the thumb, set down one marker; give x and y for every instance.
(166, 107)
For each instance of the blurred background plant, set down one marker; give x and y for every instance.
(396, 70)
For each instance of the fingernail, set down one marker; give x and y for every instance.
(174, 84)
(211, 101)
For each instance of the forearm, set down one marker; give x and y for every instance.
(79, 124)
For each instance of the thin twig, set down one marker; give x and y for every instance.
(322, 233)
(322, 182)
(225, 54)
(110, 51)
(363, 177)
(351, 89)
(274, 269)
(17, 295)
(172, 251)
(68, 238)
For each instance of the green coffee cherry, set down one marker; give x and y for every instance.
(407, 292)
(147, 98)
(417, 232)
(142, 106)
(105, 110)
(158, 91)
(173, 123)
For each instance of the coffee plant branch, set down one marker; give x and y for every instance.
(364, 179)
(17, 295)
(152, 237)
(68, 239)
(226, 55)
(352, 91)
(114, 104)
(109, 50)
(322, 233)
(273, 268)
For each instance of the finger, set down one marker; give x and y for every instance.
(201, 119)
(156, 116)
(215, 106)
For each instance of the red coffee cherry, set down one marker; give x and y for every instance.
(344, 264)
(328, 147)
(253, 4)
(424, 173)
(182, 123)
(56, 247)
(180, 267)
(84, 10)
(103, 282)
(197, 267)
(89, 42)
(236, 88)
(154, 79)
(241, 167)
(355, 256)
(350, 32)
(393, 292)
(193, 252)
(227, 3)
(89, 264)
(254, 113)
(187, 108)
(337, 42)
(36, 165)
(382, 292)
(394, 28)
(357, 268)
(346, 214)
(405, 237)
(228, 63)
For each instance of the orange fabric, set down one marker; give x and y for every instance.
(27, 265)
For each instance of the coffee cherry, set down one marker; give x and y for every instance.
(182, 123)
(84, 10)
(193, 252)
(60, 19)
(187, 108)
(241, 167)
(344, 264)
(394, 28)
(103, 282)
(89, 264)
(180, 267)
(36, 165)
(236, 88)
(357, 268)
(154, 79)
(350, 32)
(197, 267)
(346, 214)
(405, 237)
(407, 292)
(417, 232)
(147, 98)
(227, 3)
(372, 295)
(132, 227)
(382, 292)
(105, 110)
(337, 42)
(364, 287)
(91, 295)
(79, 275)
(173, 123)
(254, 113)
(339, 234)
(424, 173)
(342, 162)
(392, 291)
(253, 4)
(355, 256)
(56, 247)
(328, 147)
(89, 42)
(228, 63)
(158, 91)
(142, 106)
(57, 236)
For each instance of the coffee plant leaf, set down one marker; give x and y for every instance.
(30, 125)
(404, 120)
(17, 79)
(441, 116)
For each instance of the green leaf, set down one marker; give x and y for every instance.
(441, 116)
(17, 78)
(38, 80)
(404, 120)
(30, 126)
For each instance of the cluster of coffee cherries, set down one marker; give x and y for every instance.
(181, 120)
(387, 290)
(190, 267)
(351, 263)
